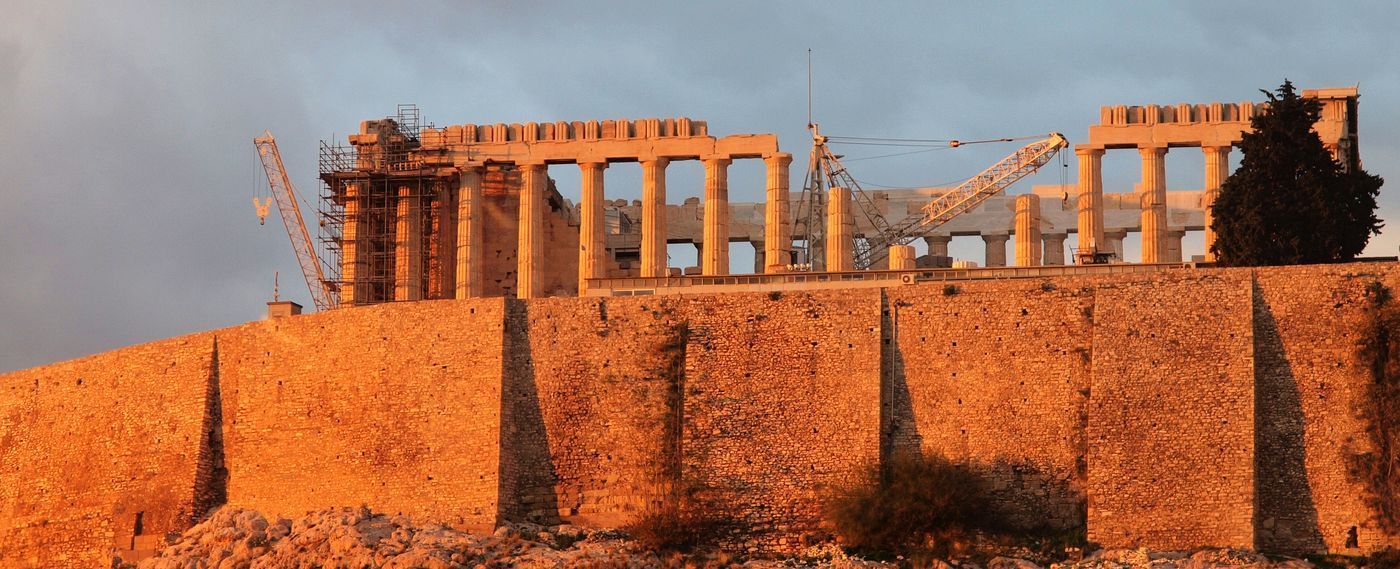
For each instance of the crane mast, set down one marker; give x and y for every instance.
(323, 294)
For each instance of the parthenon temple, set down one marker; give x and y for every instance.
(418, 212)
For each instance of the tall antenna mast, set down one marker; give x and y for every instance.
(809, 221)
(809, 88)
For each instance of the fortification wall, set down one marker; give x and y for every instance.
(394, 407)
(90, 446)
(1179, 409)
(996, 375)
(1171, 430)
(1308, 323)
(781, 401)
(591, 401)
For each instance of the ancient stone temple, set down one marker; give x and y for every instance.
(418, 212)
(469, 210)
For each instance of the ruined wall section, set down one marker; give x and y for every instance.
(1308, 323)
(88, 447)
(590, 403)
(397, 407)
(1171, 430)
(500, 190)
(781, 401)
(995, 375)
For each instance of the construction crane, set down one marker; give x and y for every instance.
(323, 292)
(825, 170)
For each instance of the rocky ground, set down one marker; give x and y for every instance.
(358, 538)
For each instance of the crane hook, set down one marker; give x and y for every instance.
(262, 209)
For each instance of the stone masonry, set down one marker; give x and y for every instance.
(1172, 409)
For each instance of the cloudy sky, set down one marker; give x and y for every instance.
(126, 164)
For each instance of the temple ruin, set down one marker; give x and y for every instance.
(419, 212)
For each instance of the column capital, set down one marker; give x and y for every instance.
(780, 158)
(660, 161)
(1214, 148)
(717, 159)
(1088, 150)
(592, 163)
(1152, 149)
(998, 236)
(532, 164)
(471, 167)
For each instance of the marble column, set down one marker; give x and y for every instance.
(996, 249)
(1154, 204)
(938, 244)
(1217, 170)
(446, 246)
(1090, 199)
(529, 249)
(1114, 243)
(471, 227)
(1028, 252)
(1174, 237)
(901, 257)
(592, 252)
(1055, 248)
(759, 254)
(408, 245)
(353, 268)
(777, 228)
(840, 231)
(715, 260)
(653, 249)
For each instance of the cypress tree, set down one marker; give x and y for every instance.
(1290, 202)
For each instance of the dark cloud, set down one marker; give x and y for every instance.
(125, 127)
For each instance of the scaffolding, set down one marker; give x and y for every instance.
(375, 188)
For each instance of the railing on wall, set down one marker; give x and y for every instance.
(799, 280)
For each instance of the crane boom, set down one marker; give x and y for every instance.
(964, 197)
(322, 293)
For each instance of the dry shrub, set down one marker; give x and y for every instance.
(678, 527)
(912, 502)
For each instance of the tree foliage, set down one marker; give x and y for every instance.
(1290, 202)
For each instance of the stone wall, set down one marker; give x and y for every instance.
(589, 404)
(500, 191)
(1171, 430)
(408, 422)
(1178, 409)
(1306, 335)
(90, 446)
(781, 402)
(1005, 390)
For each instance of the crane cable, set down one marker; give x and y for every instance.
(923, 144)
(919, 142)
